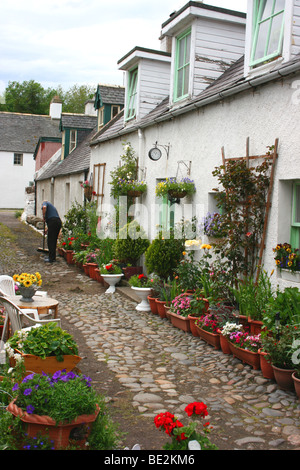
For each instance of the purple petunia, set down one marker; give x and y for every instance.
(27, 391)
(30, 409)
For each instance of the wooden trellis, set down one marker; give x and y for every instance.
(272, 155)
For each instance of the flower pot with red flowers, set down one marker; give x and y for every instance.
(62, 407)
(186, 437)
(142, 286)
(199, 306)
(208, 327)
(111, 274)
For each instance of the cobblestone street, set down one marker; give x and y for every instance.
(159, 367)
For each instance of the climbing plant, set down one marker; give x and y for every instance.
(242, 200)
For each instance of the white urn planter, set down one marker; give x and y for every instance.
(112, 280)
(143, 293)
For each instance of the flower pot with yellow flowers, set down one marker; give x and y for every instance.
(27, 285)
(175, 189)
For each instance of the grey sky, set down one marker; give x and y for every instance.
(79, 41)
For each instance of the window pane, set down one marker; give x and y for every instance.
(266, 9)
(274, 44)
(179, 82)
(297, 204)
(181, 53)
(262, 39)
(279, 5)
(186, 80)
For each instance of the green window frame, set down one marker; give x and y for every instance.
(268, 30)
(132, 95)
(166, 214)
(295, 226)
(182, 65)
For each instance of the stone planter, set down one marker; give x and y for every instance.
(248, 357)
(27, 293)
(142, 293)
(211, 338)
(183, 323)
(112, 280)
(60, 434)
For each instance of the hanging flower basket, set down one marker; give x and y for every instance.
(177, 194)
(175, 189)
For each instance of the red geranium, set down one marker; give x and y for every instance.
(198, 408)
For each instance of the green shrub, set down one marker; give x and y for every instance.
(131, 244)
(163, 255)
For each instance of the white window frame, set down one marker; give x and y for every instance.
(286, 47)
(132, 94)
(73, 140)
(18, 159)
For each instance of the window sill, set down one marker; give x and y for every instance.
(287, 275)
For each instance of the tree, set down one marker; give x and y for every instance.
(30, 97)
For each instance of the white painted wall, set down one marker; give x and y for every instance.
(268, 113)
(16, 177)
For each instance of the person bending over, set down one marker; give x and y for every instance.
(53, 221)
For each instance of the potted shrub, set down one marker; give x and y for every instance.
(130, 245)
(142, 286)
(278, 345)
(163, 255)
(61, 406)
(46, 348)
(175, 189)
(185, 437)
(112, 274)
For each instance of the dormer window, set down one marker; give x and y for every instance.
(182, 65)
(268, 29)
(73, 140)
(131, 95)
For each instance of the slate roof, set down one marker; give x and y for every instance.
(21, 132)
(77, 161)
(109, 94)
(232, 81)
(77, 121)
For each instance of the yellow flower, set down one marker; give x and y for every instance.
(27, 282)
(184, 253)
(38, 276)
(15, 277)
(277, 262)
(39, 283)
(290, 263)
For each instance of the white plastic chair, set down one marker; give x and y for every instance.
(18, 319)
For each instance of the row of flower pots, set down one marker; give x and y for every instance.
(285, 378)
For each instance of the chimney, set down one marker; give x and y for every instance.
(55, 108)
(89, 108)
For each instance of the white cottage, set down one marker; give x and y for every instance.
(230, 80)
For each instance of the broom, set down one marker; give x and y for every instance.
(43, 249)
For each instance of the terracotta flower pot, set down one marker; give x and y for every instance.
(49, 365)
(61, 434)
(256, 326)
(248, 357)
(69, 257)
(211, 338)
(193, 328)
(296, 384)
(179, 321)
(160, 305)
(265, 365)
(153, 304)
(91, 269)
(224, 343)
(284, 378)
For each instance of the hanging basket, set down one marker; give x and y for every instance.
(132, 193)
(88, 192)
(177, 194)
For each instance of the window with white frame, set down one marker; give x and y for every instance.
(115, 110)
(73, 140)
(295, 226)
(131, 94)
(100, 117)
(182, 65)
(268, 31)
(18, 159)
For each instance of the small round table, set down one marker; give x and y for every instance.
(42, 304)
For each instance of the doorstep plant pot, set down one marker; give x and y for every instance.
(142, 293)
(61, 434)
(296, 384)
(211, 338)
(91, 269)
(99, 277)
(283, 378)
(160, 304)
(153, 305)
(265, 365)
(179, 321)
(112, 280)
(248, 357)
(86, 269)
(49, 365)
